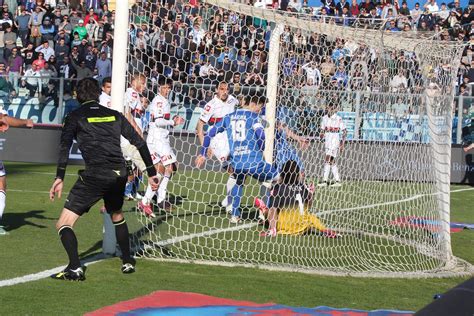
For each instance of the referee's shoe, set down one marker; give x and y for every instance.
(69, 274)
(128, 266)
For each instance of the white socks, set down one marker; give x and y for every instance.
(230, 184)
(335, 173)
(161, 192)
(327, 169)
(3, 197)
(149, 193)
(162, 189)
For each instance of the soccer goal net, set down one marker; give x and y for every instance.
(363, 112)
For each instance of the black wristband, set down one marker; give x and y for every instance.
(145, 154)
(60, 173)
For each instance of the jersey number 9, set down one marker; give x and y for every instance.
(238, 130)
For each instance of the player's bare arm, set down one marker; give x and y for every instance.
(302, 141)
(16, 122)
(200, 133)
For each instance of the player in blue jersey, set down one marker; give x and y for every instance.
(246, 136)
(284, 150)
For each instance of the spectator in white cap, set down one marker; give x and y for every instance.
(80, 29)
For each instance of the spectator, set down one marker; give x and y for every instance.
(39, 62)
(368, 5)
(91, 15)
(61, 35)
(107, 49)
(103, 66)
(354, 8)
(32, 81)
(415, 13)
(240, 64)
(313, 74)
(14, 68)
(399, 82)
(36, 17)
(57, 18)
(35, 37)
(443, 13)
(340, 77)
(75, 56)
(49, 85)
(61, 50)
(74, 18)
(45, 49)
(340, 5)
(80, 29)
(76, 40)
(432, 6)
(66, 71)
(9, 38)
(4, 84)
(5, 19)
(48, 31)
(90, 57)
(82, 70)
(207, 73)
(22, 25)
(289, 64)
(404, 9)
(28, 54)
(65, 26)
(428, 18)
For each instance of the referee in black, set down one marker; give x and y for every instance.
(97, 131)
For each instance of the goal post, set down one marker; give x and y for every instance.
(387, 212)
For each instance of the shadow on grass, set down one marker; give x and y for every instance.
(14, 221)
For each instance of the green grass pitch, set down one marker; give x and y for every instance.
(33, 246)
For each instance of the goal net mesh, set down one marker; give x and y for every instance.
(394, 93)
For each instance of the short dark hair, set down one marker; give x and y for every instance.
(258, 99)
(290, 172)
(88, 90)
(163, 80)
(106, 80)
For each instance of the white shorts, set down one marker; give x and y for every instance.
(162, 152)
(2, 169)
(332, 151)
(131, 152)
(220, 147)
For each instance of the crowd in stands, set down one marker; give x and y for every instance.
(43, 40)
(196, 44)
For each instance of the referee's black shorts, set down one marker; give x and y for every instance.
(94, 185)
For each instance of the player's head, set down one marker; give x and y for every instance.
(290, 172)
(331, 107)
(107, 85)
(257, 102)
(88, 90)
(165, 86)
(138, 83)
(223, 90)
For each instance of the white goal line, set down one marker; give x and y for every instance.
(363, 207)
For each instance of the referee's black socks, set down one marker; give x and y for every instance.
(69, 240)
(121, 233)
